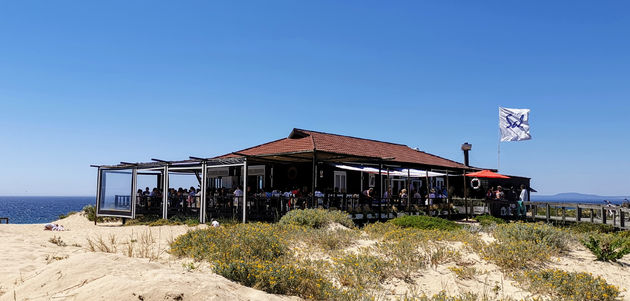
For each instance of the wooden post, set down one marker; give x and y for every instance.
(578, 214)
(622, 222)
(534, 212)
(408, 186)
(315, 179)
(465, 197)
(564, 215)
(548, 213)
(603, 215)
(592, 216)
(245, 191)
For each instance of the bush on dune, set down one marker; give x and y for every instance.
(316, 218)
(425, 222)
(607, 247)
(489, 220)
(524, 245)
(256, 255)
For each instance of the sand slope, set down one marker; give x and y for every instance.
(32, 268)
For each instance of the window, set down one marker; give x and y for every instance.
(340, 181)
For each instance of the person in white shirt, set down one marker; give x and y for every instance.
(238, 195)
(522, 198)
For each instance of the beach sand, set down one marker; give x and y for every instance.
(33, 268)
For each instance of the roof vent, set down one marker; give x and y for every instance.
(297, 134)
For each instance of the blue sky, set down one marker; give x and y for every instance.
(98, 83)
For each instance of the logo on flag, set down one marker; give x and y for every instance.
(514, 124)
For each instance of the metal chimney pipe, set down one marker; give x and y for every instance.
(466, 147)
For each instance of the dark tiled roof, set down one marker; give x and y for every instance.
(307, 141)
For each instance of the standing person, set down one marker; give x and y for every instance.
(489, 194)
(523, 198)
(499, 195)
(238, 194)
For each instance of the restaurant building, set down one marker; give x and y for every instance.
(306, 169)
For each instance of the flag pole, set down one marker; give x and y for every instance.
(499, 151)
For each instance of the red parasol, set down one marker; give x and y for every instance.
(487, 174)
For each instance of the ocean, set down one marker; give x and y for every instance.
(40, 209)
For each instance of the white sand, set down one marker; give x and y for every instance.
(32, 268)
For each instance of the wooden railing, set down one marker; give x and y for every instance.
(616, 216)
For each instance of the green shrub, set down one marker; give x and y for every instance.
(538, 233)
(330, 240)
(562, 285)
(588, 227)
(517, 254)
(488, 220)
(424, 222)
(62, 216)
(316, 218)
(156, 220)
(256, 255)
(523, 245)
(90, 212)
(377, 230)
(360, 271)
(608, 247)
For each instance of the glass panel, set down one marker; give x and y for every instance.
(116, 187)
(183, 194)
(149, 194)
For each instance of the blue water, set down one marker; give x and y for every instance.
(40, 209)
(582, 201)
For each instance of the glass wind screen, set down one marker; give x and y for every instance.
(116, 190)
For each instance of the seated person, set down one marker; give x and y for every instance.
(53, 227)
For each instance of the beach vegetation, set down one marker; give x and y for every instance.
(62, 216)
(424, 222)
(51, 258)
(525, 245)
(57, 241)
(316, 218)
(89, 211)
(464, 272)
(562, 285)
(256, 255)
(330, 240)
(101, 244)
(489, 220)
(607, 247)
(583, 227)
(156, 221)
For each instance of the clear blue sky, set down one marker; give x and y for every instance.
(84, 83)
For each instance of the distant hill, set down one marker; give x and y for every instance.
(573, 196)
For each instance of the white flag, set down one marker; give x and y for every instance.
(514, 124)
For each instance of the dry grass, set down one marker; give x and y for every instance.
(141, 245)
(57, 241)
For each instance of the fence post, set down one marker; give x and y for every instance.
(578, 214)
(534, 212)
(548, 212)
(564, 215)
(592, 216)
(622, 222)
(603, 215)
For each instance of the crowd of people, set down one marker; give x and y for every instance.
(510, 195)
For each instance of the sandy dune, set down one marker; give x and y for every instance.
(32, 268)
